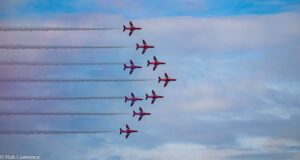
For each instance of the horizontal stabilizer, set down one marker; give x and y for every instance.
(124, 28)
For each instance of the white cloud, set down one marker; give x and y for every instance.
(228, 62)
(191, 151)
(237, 33)
(267, 143)
(174, 151)
(195, 49)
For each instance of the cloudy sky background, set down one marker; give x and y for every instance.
(237, 65)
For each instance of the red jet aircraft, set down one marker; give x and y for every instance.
(166, 79)
(131, 67)
(141, 113)
(153, 97)
(155, 63)
(131, 28)
(132, 99)
(144, 46)
(127, 131)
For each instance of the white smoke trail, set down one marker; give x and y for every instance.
(17, 47)
(70, 80)
(30, 29)
(59, 63)
(58, 114)
(55, 98)
(52, 132)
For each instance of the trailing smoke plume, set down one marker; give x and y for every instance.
(55, 98)
(59, 63)
(70, 80)
(58, 114)
(16, 47)
(30, 29)
(53, 132)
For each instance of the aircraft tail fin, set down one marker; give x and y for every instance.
(137, 46)
(125, 67)
(124, 28)
(134, 113)
(121, 131)
(159, 79)
(126, 99)
(148, 63)
(147, 96)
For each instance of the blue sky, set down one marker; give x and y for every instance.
(236, 62)
(147, 9)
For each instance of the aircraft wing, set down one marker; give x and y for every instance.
(127, 127)
(131, 70)
(141, 116)
(153, 100)
(141, 110)
(144, 50)
(130, 33)
(132, 103)
(130, 23)
(153, 92)
(166, 75)
(144, 42)
(132, 95)
(154, 58)
(127, 135)
(155, 66)
(166, 83)
(131, 62)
